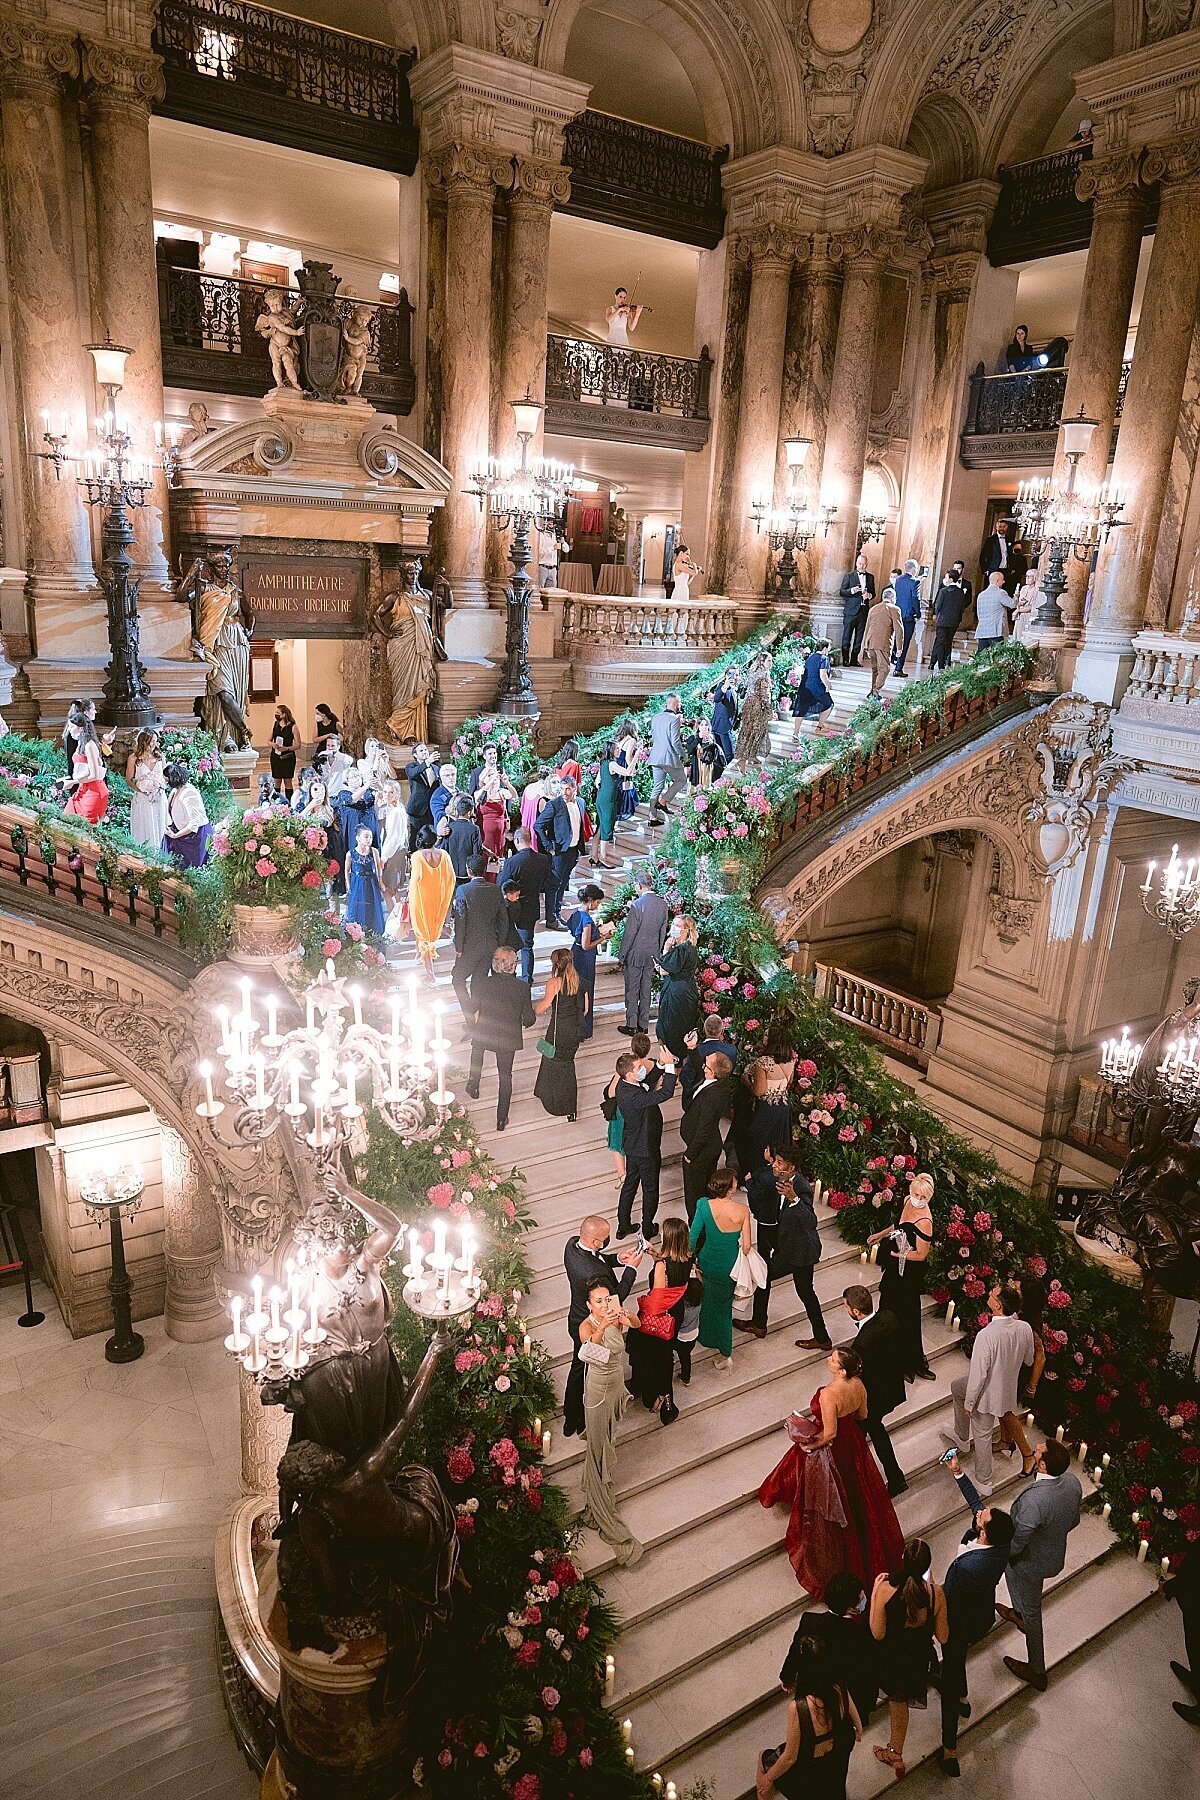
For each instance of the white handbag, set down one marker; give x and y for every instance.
(749, 1272)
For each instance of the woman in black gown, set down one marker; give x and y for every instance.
(902, 1285)
(651, 1346)
(679, 997)
(565, 1001)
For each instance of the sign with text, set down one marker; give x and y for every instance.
(305, 596)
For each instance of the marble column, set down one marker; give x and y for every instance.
(771, 253)
(933, 446)
(265, 1434)
(864, 254)
(468, 176)
(191, 1245)
(1098, 348)
(1142, 462)
(122, 85)
(823, 283)
(52, 369)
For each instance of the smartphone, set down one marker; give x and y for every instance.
(948, 1456)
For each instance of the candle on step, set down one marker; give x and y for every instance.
(1059, 1434)
(656, 1782)
(627, 1730)
(1097, 1474)
(1029, 1420)
(862, 1256)
(610, 1675)
(874, 1253)
(950, 1313)
(629, 1754)
(546, 1442)
(817, 1190)
(1106, 1510)
(1165, 1564)
(1083, 1452)
(537, 1428)
(1143, 1549)
(1135, 1516)
(1104, 1460)
(527, 1343)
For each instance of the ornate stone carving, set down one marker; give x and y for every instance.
(972, 65)
(1167, 18)
(836, 45)
(1070, 776)
(1111, 180)
(519, 29)
(1176, 162)
(30, 55)
(769, 245)
(469, 167)
(1011, 919)
(539, 183)
(121, 73)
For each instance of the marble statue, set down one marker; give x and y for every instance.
(198, 425)
(356, 337)
(403, 619)
(221, 627)
(279, 325)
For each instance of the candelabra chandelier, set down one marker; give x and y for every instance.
(1177, 1077)
(522, 495)
(793, 525)
(871, 527)
(316, 1076)
(1119, 1058)
(1176, 901)
(115, 1188)
(1066, 521)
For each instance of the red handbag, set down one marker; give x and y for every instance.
(656, 1325)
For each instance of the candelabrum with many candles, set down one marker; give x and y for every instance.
(1175, 901)
(1065, 521)
(793, 525)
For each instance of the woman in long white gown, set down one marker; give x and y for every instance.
(682, 570)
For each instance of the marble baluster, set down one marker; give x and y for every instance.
(122, 85)
(1098, 347)
(1141, 465)
(52, 369)
(771, 253)
(864, 254)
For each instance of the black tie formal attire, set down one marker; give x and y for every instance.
(797, 1251)
(858, 591)
(949, 604)
(703, 1131)
(641, 1109)
(530, 871)
(880, 1344)
(503, 1008)
(480, 927)
(584, 1267)
(970, 1588)
(563, 837)
(852, 1652)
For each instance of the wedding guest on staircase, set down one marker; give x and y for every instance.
(88, 778)
(502, 1010)
(842, 1629)
(642, 940)
(970, 1589)
(1043, 1514)
(706, 1115)
(902, 1285)
(588, 935)
(459, 836)
(989, 1389)
(712, 1037)
(530, 869)
(1184, 1588)
(679, 995)
(565, 1000)
(823, 1727)
(146, 773)
(720, 1229)
(640, 1102)
(605, 1397)
(284, 741)
(587, 1259)
(725, 715)
(480, 926)
(908, 1611)
(659, 1316)
(877, 1341)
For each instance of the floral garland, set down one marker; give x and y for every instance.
(512, 739)
(267, 856)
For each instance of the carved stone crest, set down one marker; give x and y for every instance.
(1070, 777)
(1012, 919)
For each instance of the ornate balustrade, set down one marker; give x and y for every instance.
(908, 1027)
(209, 339)
(1012, 420)
(627, 174)
(632, 646)
(265, 74)
(78, 874)
(1159, 717)
(603, 391)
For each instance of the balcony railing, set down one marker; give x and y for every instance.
(627, 174)
(1158, 720)
(1038, 212)
(907, 1027)
(630, 646)
(80, 874)
(1012, 420)
(265, 74)
(209, 339)
(603, 391)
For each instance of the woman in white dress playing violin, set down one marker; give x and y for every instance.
(622, 318)
(682, 570)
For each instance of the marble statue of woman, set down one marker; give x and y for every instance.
(412, 650)
(221, 627)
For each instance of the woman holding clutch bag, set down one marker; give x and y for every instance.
(602, 1352)
(841, 1517)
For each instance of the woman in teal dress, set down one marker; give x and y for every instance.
(679, 997)
(608, 809)
(720, 1229)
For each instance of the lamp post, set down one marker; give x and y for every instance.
(1066, 521)
(790, 527)
(107, 1193)
(520, 496)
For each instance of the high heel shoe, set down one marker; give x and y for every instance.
(892, 1758)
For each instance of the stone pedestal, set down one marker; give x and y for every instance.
(325, 434)
(240, 767)
(850, 406)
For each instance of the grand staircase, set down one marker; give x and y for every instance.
(709, 1611)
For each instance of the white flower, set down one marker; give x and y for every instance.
(1169, 1512)
(1175, 1422)
(1156, 1496)
(512, 1637)
(555, 1638)
(516, 1618)
(504, 1763)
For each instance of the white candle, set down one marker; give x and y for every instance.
(537, 1428)
(527, 1343)
(627, 1730)
(257, 1285)
(1029, 1420)
(1136, 1517)
(629, 1754)
(656, 1782)
(223, 1022)
(412, 1249)
(439, 1243)
(356, 997)
(439, 1098)
(672, 1792)
(546, 1442)
(296, 1346)
(395, 1018)
(209, 1100)
(610, 1675)
(394, 1069)
(1104, 1460)
(330, 971)
(1083, 1452)
(862, 1256)
(874, 1253)
(817, 1191)
(274, 1309)
(1143, 1549)
(1097, 1474)
(272, 1019)
(1106, 1510)
(950, 1313)
(1165, 1565)
(1059, 1434)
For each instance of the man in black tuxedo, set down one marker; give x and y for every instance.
(531, 871)
(858, 593)
(1000, 552)
(702, 1127)
(879, 1344)
(640, 1104)
(716, 1039)
(587, 1260)
(970, 1588)
(422, 774)
(844, 1634)
(480, 927)
(949, 604)
(563, 826)
(503, 1009)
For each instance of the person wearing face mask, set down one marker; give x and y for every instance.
(587, 1259)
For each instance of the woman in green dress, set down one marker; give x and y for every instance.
(720, 1229)
(679, 996)
(605, 1398)
(608, 810)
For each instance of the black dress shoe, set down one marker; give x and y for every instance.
(948, 1763)
(501, 1124)
(1185, 1675)
(627, 1030)
(568, 1430)
(472, 1091)
(926, 1374)
(1190, 1713)
(649, 1231)
(623, 1231)
(896, 1488)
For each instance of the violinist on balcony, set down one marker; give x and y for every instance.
(622, 318)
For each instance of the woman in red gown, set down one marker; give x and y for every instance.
(841, 1516)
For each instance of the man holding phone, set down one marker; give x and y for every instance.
(970, 1588)
(640, 1106)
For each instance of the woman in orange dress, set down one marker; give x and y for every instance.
(430, 890)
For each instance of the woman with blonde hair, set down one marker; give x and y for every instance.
(146, 773)
(902, 1285)
(679, 997)
(565, 999)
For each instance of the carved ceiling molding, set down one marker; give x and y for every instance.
(837, 44)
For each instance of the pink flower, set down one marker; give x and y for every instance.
(1058, 1297)
(806, 1068)
(441, 1194)
(251, 846)
(748, 990)
(314, 837)
(585, 1757)
(527, 1654)
(310, 879)
(700, 803)
(505, 1453)
(445, 1758)
(264, 867)
(502, 1384)
(459, 1159)
(847, 1134)
(459, 1464)
(331, 946)
(528, 1787)
(466, 1360)
(550, 1698)
(354, 932)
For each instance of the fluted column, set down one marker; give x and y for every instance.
(771, 253)
(933, 446)
(468, 176)
(122, 85)
(864, 254)
(1098, 348)
(191, 1245)
(52, 369)
(1148, 420)
(816, 349)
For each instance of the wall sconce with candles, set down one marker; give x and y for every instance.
(1066, 521)
(871, 528)
(108, 1193)
(1176, 903)
(790, 527)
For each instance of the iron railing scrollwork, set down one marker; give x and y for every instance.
(629, 174)
(1027, 406)
(269, 75)
(209, 340)
(641, 380)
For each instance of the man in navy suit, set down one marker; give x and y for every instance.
(908, 599)
(563, 827)
(530, 871)
(970, 1589)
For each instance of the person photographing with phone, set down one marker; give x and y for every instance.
(605, 1397)
(970, 1590)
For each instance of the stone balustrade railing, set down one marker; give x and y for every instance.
(80, 874)
(900, 1023)
(1158, 720)
(708, 626)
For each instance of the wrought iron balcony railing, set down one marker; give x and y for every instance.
(603, 391)
(627, 174)
(1012, 420)
(1038, 212)
(209, 339)
(265, 74)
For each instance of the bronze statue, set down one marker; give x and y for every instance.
(221, 628)
(1152, 1212)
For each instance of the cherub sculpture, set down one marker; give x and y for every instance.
(279, 326)
(356, 336)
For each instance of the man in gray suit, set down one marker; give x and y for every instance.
(666, 758)
(641, 944)
(983, 1397)
(1043, 1515)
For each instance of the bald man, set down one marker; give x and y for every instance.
(587, 1260)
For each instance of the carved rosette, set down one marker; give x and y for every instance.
(32, 59)
(537, 185)
(118, 75)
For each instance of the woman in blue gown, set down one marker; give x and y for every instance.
(364, 885)
(588, 936)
